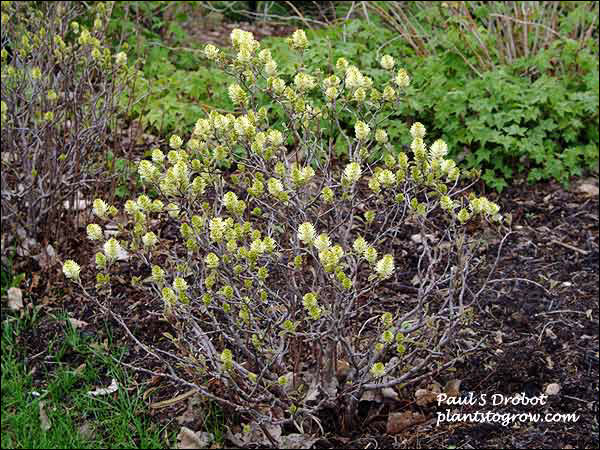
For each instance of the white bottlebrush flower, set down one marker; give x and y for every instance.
(402, 79)
(307, 173)
(385, 266)
(354, 78)
(258, 246)
(230, 201)
(378, 370)
(446, 203)
(149, 239)
(271, 68)
(389, 94)
(158, 274)
(362, 130)
(217, 228)
(173, 210)
(322, 242)
(463, 215)
(275, 138)
(370, 254)
(381, 136)
(121, 58)
(447, 165)
(264, 56)
(341, 64)
(438, 149)
(100, 208)
(299, 40)
(491, 208)
(386, 177)
(375, 185)
(112, 249)
(237, 94)
(359, 95)
(94, 232)
(304, 82)
(180, 285)
(306, 233)
(331, 81)
(241, 38)
(277, 85)
(169, 296)
(331, 93)
(387, 62)
(274, 186)
(175, 142)
(244, 127)
(211, 52)
(212, 261)
(417, 130)
(202, 128)
(352, 172)
(360, 245)
(71, 269)
(147, 170)
(158, 156)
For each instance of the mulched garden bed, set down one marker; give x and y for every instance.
(539, 332)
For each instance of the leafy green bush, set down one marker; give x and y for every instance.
(283, 284)
(508, 124)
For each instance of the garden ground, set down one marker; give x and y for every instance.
(539, 329)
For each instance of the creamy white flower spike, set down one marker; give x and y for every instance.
(299, 40)
(71, 269)
(100, 208)
(322, 242)
(438, 149)
(211, 52)
(385, 266)
(352, 172)
(362, 130)
(94, 232)
(387, 62)
(306, 233)
(149, 239)
(402, 79)
(417, 130)
(112, 249)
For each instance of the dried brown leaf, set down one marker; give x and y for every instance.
(452, 388)
(424, 397)
(44, 421)
(114, 386)
(15, 299)
(398, 422)
(76, 323)
(188, 439)
(552, 389)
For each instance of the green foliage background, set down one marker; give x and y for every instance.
(535, 117)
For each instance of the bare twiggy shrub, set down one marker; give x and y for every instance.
(60, 89)
(289, 287)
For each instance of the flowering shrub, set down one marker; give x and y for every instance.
(287, 286)
(59, 89)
